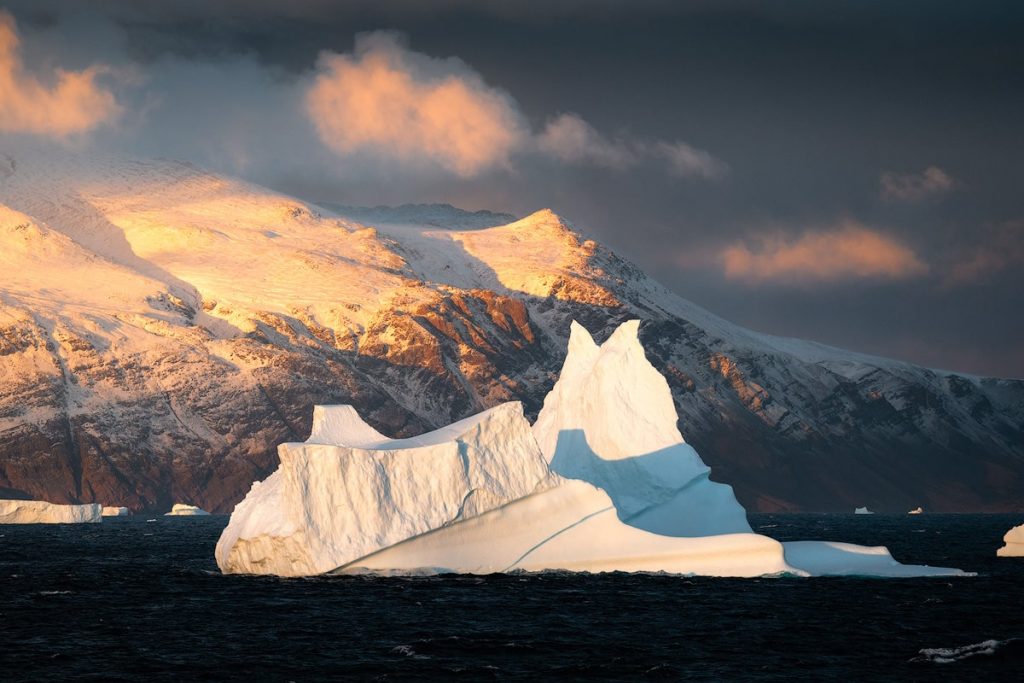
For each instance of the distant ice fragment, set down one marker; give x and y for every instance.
(863, 511)
(112, 511)
(916, 511)
(1014, 540)
(41, 512)
(183, 510)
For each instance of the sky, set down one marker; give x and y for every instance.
(848, 172)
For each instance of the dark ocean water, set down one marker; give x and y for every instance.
(138, 600)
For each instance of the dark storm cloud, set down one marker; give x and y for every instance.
(825, 115)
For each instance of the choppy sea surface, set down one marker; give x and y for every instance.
(141, 599)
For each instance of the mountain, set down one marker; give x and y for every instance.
(163, 328)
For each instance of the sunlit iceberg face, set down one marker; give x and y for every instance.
(1014, 543)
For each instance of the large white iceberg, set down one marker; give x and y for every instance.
(602, 482)
(41, 512)
(1014, 540)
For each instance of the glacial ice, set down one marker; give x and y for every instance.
(862, 511)
(829, 558)
(114, 511)
(41, 512)
(1014, 540)
(602, 482)
(183, 510)
(610, 420)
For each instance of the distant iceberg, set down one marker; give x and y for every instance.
(863, 511)
(1014, 540)
(916, 511)
(41, 512)
(113, 511)
(603, 481)
(182, 510)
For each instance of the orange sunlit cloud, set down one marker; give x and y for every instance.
(387, 99)
(846, 252)
(74, 104)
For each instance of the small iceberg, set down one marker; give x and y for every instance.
(863, 511)
(916, 511)
(1014, 540)
(113, 511)
(182, 510)
(41, 512)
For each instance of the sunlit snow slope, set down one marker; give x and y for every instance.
(162, 328)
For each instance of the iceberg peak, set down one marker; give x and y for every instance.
(610, 420)
(580, 341)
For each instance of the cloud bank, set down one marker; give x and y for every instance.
(1002, 249)
(570, 139)
(845, 252)
(915, 187)
(75, 103)
(394, 103)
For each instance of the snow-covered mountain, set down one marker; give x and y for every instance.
(162, 328)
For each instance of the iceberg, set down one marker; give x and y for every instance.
(41, 512)
(603, 481)
(862, 511)
(1014, 543)
(183, 510)
(916, 511)
(113, 511)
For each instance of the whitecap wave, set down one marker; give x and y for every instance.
(943, 655)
